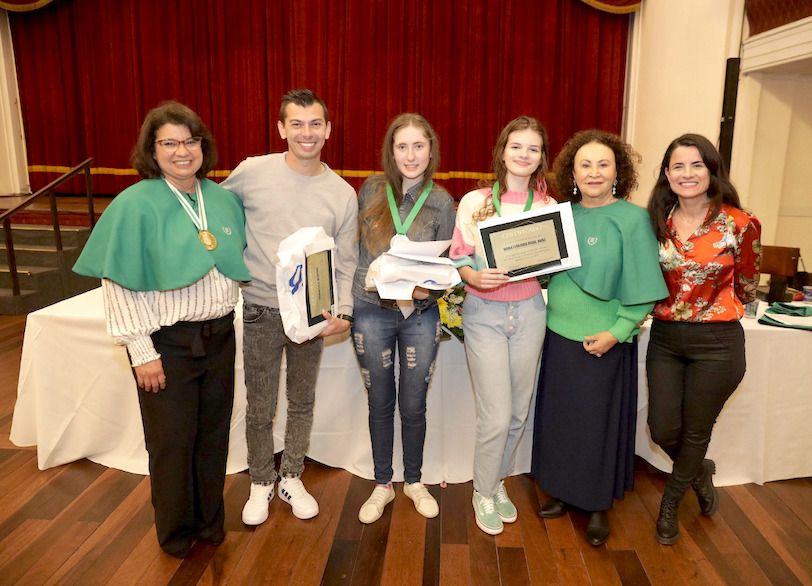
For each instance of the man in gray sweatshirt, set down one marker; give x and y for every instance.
(283, 192)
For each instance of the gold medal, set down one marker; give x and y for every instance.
(198, 217)
(208, 239)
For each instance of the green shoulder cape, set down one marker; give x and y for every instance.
(619, 254)
(145, 241)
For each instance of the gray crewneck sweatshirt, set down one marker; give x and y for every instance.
(278, 201)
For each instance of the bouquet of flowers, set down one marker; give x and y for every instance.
(450, 306)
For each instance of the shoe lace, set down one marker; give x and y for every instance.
(501, 496)
(378, 496)
(259, 493)
(668, 511)
(487, 505)
(419, 492)
(294, 487)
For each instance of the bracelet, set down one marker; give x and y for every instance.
(345, 317)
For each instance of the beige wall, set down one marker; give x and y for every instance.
(795, 211)
(677, 63)
(13, 166)
(677, 57)
(772, 150)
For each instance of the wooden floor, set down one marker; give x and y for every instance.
(86, 524)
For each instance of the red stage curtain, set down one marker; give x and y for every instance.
(89, 70)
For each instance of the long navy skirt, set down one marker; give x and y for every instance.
(586, 412)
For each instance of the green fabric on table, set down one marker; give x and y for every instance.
(789, 310)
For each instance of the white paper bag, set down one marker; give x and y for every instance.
(312, 248)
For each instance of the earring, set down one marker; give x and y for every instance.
(574, 189)
(614, 188)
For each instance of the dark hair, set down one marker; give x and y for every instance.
(375, 222)
(720, 190)
(302, 97)
(537, 180)
(625, 158)
(171, 112)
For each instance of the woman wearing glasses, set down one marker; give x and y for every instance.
(169, 253)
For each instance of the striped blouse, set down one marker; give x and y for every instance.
(133, 315)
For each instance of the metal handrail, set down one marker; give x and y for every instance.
(48, 190)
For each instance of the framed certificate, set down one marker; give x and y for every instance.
(531, 243)
(319, 279)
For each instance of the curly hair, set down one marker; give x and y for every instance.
(625, 159)
(375, 222)
(171, 112)
(537, 180)
(720, 189)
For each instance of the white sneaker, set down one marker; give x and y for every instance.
(373, 508)
(423, 501)
(293, 492)
(255, 510)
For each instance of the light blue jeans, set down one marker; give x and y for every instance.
(503, 342)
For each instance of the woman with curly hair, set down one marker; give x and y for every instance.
(503, 321)
(583, 441)
(709, 252)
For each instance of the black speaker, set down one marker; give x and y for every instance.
(729, 109)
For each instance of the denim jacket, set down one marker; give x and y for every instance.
(435, 221)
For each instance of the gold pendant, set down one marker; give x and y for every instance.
(208, 239)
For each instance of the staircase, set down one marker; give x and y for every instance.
(45, 273)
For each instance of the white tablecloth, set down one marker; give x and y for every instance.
(77, 399)
(765, 430)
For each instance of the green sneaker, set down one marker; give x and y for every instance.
(504, 506)
(487, 518)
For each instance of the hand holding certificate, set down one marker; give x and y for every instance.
(407, 265)
(531, 243)
(305, 282)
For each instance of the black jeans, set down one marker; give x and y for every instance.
(692, 369)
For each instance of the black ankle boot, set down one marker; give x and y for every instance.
(704, 489)
(552, 509)
(597, 530)
(667, 523)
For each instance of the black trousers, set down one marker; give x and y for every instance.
(692, 369)
(186, 427)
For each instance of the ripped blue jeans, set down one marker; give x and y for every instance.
(378, 333)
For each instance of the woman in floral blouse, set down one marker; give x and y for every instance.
(710, 254)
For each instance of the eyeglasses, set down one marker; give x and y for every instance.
(170, 145)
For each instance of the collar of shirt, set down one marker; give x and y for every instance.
(412, 194)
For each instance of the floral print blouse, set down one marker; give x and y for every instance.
(712, 275)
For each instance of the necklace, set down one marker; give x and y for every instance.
(403, 227)
(497, 204)
(198, 218)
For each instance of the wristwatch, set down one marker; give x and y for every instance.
(345, 317)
